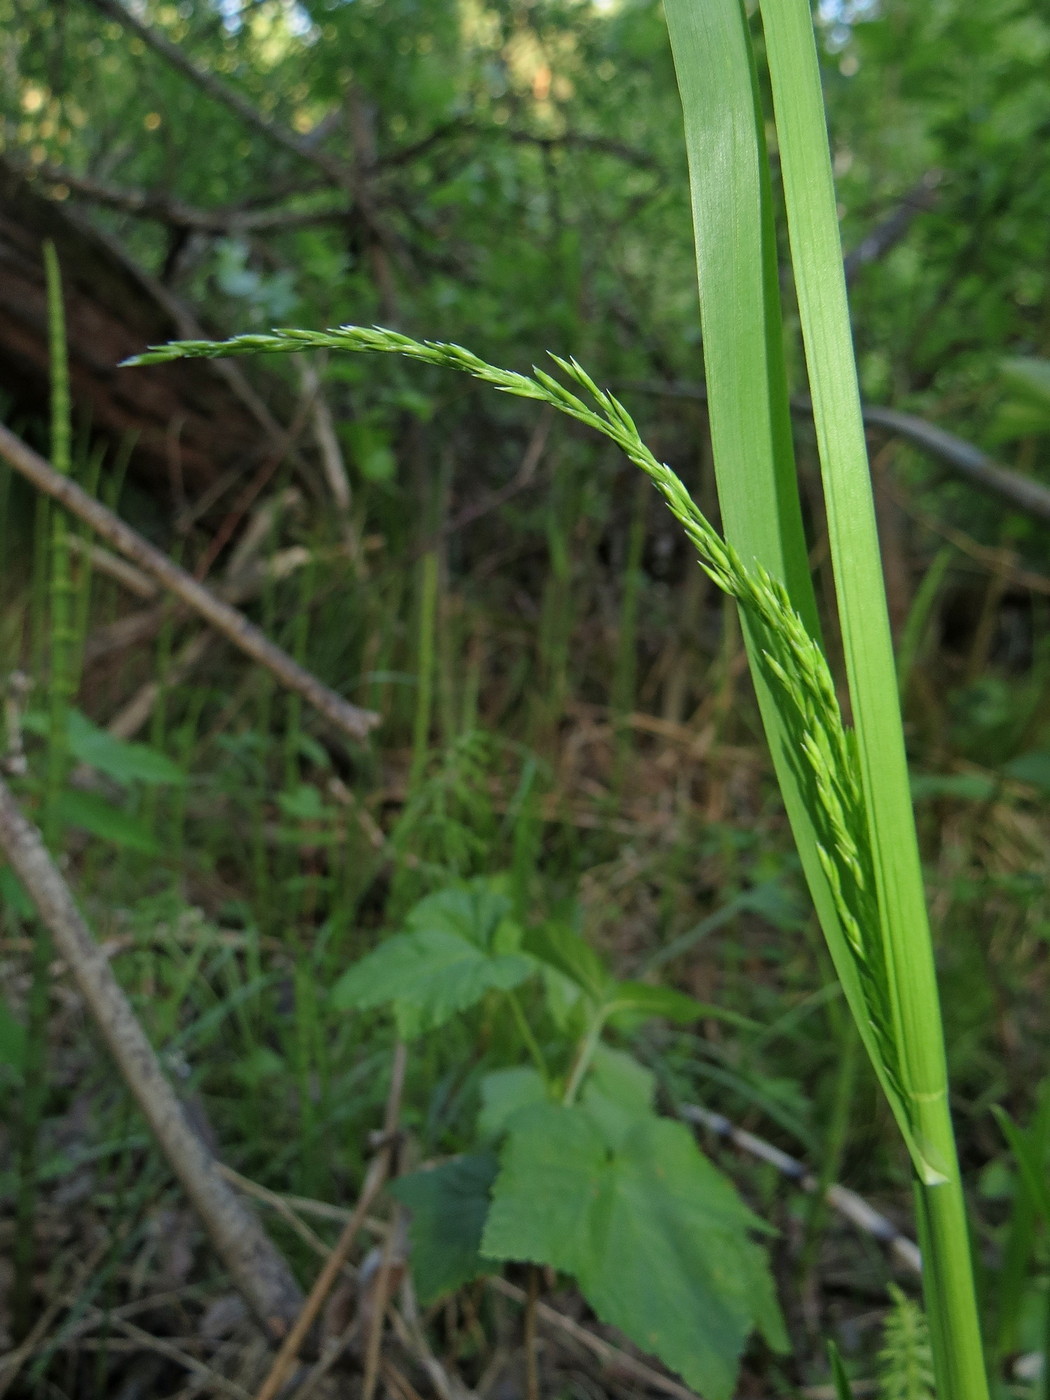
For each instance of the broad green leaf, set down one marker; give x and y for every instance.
(100, 818)
(449, 1205)
(656, 1237)
(116, 758)
(460, 945)
(503, 1093)
(619, 1076)
(476, 910)
(618, 1092)
(561, 947)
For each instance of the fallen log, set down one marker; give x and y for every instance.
(188, 422)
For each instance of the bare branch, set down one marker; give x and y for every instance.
(161, 206)
(233, 625)
(892, 229)
(855, 1208)
(581, 140)
(215, 88)
(966, 460)
(256, 1267)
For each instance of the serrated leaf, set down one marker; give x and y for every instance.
(449, 1205)
(503, 1093)
(98, 817)
(656, 1237)
(617, 1093)
(460, 946)
(476, 910)
(561, 947)
(619, 1076)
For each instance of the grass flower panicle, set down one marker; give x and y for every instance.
(797, 670)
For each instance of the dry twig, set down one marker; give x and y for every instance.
(233, 625)
(256, 1267)
(848, 1204)
(376, 1176)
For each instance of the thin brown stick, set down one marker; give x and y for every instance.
(233, 625)
(258, 1270)
(412, 1337)
(374, 1339)
(164, 208)
(12, 1363)
(374, 1179)
(532, 1374)
(147, 1342)
(399, 1383)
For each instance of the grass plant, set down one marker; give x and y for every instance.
(743, 333)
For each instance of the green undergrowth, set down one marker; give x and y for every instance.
(238, 862)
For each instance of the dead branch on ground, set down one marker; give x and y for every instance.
(233, 625)
(256, 1267)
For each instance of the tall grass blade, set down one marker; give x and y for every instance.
(751, 437)
(888, 944)
(907, 951)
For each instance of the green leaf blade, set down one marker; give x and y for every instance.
(449, 1205)
(655, 1235)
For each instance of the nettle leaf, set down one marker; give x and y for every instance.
(460, 945)
(477, 910)
(503, 1093)
(449, 1205)
(618, 1092)
(656, 1237)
